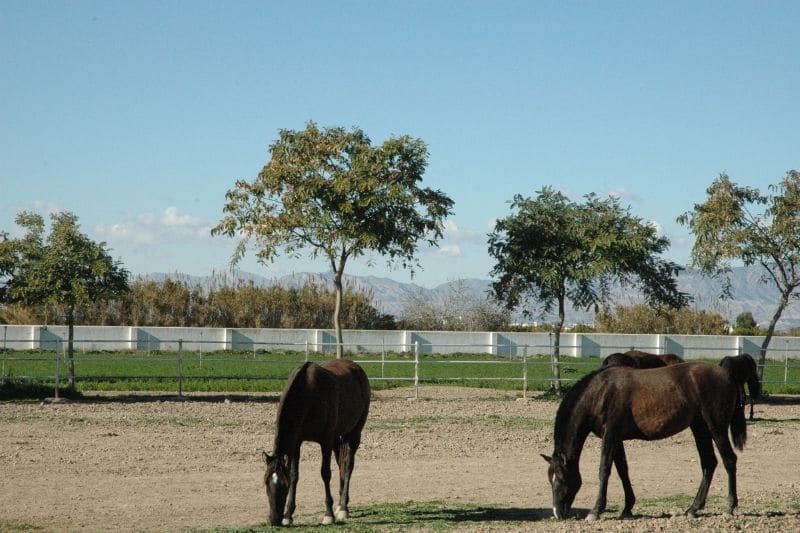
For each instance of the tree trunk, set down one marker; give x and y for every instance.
(762, 356)
(337, 309)
(557, 347)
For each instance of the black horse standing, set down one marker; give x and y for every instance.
(619, 403)
(743, 369)
(327, 404)
(639, 359)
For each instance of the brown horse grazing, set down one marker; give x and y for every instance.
(637, 359)
(619, 403)
(743, 369)
(327, 404)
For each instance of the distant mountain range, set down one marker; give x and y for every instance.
(389, 296)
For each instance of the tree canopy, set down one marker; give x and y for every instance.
(551, 250)
(331, 193)
(66, 268)
(737, 223)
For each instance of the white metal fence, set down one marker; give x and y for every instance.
(130, 338)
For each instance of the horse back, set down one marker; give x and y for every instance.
(320, 401)
(659, 402)
(353, 392)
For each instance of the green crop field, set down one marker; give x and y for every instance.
(266, 371)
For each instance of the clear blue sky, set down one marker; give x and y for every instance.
(139, 116)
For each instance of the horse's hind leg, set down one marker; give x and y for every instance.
(346, 457)
(708, 463)
(729, 462)
(621, 462)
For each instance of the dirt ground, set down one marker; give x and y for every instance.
(150, 463)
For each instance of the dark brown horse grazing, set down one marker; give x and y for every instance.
(327, 404)
(619, 403)
(638, 359)
(744, 370)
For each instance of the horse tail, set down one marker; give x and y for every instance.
(738, 424)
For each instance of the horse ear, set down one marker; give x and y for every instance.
(546, 458)
(266, 457)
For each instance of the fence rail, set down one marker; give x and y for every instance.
(265, 366)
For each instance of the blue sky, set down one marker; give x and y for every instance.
(139, 116)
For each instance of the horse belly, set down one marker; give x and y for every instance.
(658, 423)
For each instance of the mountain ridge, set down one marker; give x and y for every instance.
(389, 296)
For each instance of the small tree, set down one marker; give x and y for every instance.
(745, 324)
(551, 250)
(454, 308)
(741, 223)
(329, 191)
(66, 269)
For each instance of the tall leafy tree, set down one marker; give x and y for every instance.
(738, 223)
(330, 192)
(65, 268)
(551, 250)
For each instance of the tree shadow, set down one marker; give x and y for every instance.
(484, 514)
(190, 398)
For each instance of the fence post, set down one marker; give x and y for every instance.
(306, 350)
(416, 370)
(180, 368)
(383, 356)
(525, 372)
(58, 370)
(786, 364)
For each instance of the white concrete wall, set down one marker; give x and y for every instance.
(114, 338)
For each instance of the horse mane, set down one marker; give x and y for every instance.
(289, 406)
(567, 406)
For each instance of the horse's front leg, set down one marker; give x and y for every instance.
(621, 462)
(294, 476)
(325, 472)
(609, 448)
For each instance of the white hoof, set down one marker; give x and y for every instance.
(340, 514)
(591, 517)
(286, 522)
(327, 520)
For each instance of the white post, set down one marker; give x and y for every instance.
(416, 370)
(180, 368)
(525, 372)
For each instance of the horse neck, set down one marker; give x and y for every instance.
(291, 416)
(572, 428)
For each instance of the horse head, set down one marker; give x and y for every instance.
(565, 480)
(276, 480)
(753, 383)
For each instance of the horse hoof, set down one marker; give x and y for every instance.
(341, 514)
(286, 522)
(327, 520)
(591, 517)
(691, 514)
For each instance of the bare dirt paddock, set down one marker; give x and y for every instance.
(459, 459)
